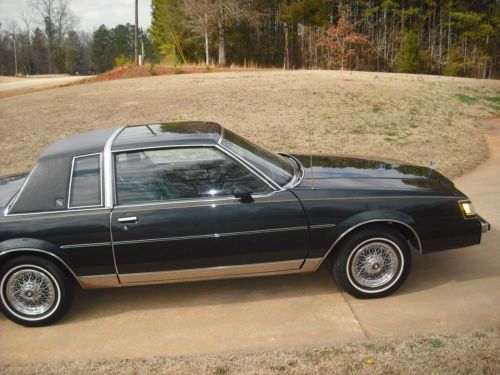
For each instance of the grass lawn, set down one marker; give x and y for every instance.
(473, 352)
(411, 118)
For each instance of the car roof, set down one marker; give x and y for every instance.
(49, 178)
(168, 133)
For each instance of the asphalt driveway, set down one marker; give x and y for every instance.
(451, 290)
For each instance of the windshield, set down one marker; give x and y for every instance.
(272, 165)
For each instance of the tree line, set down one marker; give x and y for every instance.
(452, 37)
(46, 40)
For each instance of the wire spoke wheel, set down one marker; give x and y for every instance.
(30, 292)
(374, 264)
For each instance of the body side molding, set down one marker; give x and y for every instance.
(200, 274)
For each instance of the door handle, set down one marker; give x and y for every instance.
(130, 219)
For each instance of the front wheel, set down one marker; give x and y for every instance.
(372, 263)
(34, 291)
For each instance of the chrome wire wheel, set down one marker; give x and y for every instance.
(375, 263)
(31, 292)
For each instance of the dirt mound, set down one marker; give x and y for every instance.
(125, 71)
(135, 71)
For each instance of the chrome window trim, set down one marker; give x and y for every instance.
(69, 207)
(44, 252)
(190, 200)
(214, 200)
(249, 165)
(345, 233)
(279, 187)
(58, 212)
(301, 172)
(221, 138)
(108, 168)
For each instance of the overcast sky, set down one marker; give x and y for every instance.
(91, 13)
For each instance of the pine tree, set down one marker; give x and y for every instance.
(409, 55)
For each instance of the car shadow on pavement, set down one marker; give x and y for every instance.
(457, 265)
(98, 303)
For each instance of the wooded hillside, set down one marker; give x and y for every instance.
(451, 37)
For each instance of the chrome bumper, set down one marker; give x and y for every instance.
(485, 226)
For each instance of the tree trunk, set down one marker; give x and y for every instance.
(286, 60)
(136, 56)
(222, 47)
(29, 52)
(207, 53)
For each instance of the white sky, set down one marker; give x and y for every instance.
(91, 13)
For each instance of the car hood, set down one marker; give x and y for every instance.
(349, 172)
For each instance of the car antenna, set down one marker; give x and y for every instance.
(310, 137)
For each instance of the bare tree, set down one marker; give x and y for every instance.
(46, 10)
(27, 19)
(227, 11)
(57, 20)
(12, 30)
(202, 15)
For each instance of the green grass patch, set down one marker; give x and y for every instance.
(376, 108)
(480, 335)
(466, 98)
(221, 370)
(434, 343)
(379, 348)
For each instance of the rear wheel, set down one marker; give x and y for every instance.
(34, 291)
(372, 263)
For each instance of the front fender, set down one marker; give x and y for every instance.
(324, 243)
(382, 215)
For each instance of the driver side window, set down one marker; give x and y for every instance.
(180, 173)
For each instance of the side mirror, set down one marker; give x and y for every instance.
(244, 195)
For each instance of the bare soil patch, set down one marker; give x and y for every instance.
(134, 71)
(474, 352)
(407, 117)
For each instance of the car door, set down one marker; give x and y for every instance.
(177, 218)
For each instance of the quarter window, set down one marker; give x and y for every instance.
(85, 187)
(181, 173)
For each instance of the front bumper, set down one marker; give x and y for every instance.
(485, 226)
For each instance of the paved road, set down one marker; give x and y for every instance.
(451, 290)
(24, 83)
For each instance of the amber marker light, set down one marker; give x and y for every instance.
(467, 209)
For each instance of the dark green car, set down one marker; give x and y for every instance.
(190, 201)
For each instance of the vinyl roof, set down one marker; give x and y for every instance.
(49, 179)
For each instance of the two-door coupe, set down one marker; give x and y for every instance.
(189, 201)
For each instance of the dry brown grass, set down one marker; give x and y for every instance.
(474, 352)
(408, 117)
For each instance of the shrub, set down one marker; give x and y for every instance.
(122, 60)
